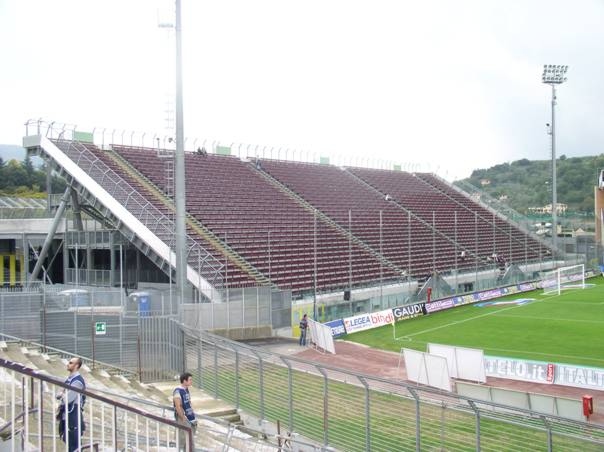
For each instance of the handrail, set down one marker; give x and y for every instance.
(158, 222)
(10, 365)
(149, 139)
(17, 417)
(75, 164)
(221, 424)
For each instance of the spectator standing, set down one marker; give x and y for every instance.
(71, 410)
(303, 329)
(183, 410)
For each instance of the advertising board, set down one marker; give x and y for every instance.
(519, 369)
(409, 311)
(357, 323)
(337, 327)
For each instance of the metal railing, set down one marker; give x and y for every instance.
(198, 258)
(334, 407)
(22, 430)
(356, 412)
(104, 136)
(29, 402)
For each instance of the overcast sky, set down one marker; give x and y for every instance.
(446, 86)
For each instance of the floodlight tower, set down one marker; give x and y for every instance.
(554, 75)
(179, 171)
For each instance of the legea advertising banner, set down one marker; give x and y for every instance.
(366, 321)
(357, 323)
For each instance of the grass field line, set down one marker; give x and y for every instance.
(598, 360)
(590, 303)
(460, 321)
(551, 318)
(408, 336)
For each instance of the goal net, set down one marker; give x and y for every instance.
(572, 277)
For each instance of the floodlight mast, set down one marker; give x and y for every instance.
(554, 75)
(179, 170)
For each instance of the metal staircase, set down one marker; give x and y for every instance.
(137, 219)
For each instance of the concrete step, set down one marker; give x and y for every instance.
(233, 418)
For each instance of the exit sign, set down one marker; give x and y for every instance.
(100, 328)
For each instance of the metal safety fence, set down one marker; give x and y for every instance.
(29, 401)
(102, 326)
(247, 307)
(333, 407)
(137, 332)
(115, 418)
(355, 412)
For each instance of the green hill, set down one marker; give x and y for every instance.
(525, 183)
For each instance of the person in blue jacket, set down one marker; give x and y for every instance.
(183, 410)
(71, 409)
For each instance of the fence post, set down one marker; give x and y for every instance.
(138, 357)
(417, 420)
(93, 329)
(215, 370)
(237, 379)
(115, 427)
(325, 406)
(548, 428)
(290, 397)
(44, 318)
(260, 383)
(261, 375)
(367, 415)
(199, 360)
(40, 411)
(477, 413)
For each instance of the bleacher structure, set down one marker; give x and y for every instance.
(302, 227)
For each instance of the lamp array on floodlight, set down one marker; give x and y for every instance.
(553, 73)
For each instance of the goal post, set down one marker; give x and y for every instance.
(555, 281)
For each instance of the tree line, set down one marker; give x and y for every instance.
(521, 184)
(21, 178)
(524, 183)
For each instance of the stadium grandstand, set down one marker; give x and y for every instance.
(302, 227)
(345, 237)
(268, 239)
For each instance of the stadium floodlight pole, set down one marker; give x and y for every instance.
(179, 169)
(554, 75)
(314, 301)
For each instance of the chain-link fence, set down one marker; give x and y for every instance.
(248, 307)
(137, 332)
(351, 411)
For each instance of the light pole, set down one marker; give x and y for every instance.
(554, 75)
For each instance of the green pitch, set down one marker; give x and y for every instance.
(566, 328)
